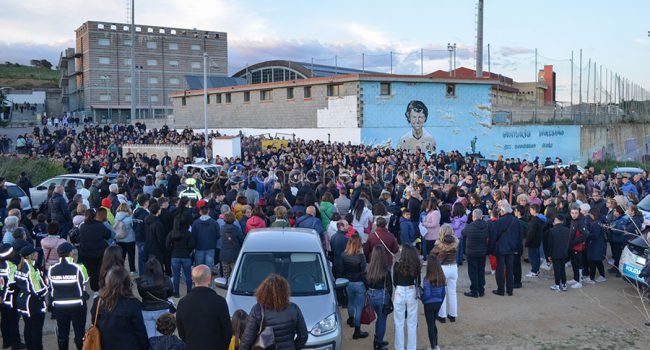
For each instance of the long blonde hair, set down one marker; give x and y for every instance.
(123, 208)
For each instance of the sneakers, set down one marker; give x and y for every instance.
(546, 266)
(571, 282)
(493, 272)
(532, 274)
(577, 285)
(568, 265)
(555, 288)
(588, 280)
(600, 279)
(564, 288)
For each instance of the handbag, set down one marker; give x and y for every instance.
(170, 304)
(93, 338)
(120, 229)
(265, 337)
(419, 291)
(367, 313)
(387, 308)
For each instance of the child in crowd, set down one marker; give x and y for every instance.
(40, 230)
(239, 322)
(166, 325)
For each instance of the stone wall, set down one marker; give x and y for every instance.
(159, 150)
(623, 142)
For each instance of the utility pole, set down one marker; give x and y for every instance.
(391, 62)
(363, 62)
(588, 79)
(422, 61)
(572, 80)
(479, 40)
(594, 83)
(580, 81)
(536, 84)
(133, 93)
(600, 85)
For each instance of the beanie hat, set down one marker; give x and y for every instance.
(106, 203)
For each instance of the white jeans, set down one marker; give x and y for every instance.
(451, 274)
(405, 302)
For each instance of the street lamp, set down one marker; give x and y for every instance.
(206, 59)
(137, 96)
(106, 79)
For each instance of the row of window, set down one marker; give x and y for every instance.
(127, 98)
(150, 44)
(153, 81)
(126, 28)
(385, 90)
(150, 62)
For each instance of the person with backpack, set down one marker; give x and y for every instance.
(139, 215)
(125, 234)
(579, 234)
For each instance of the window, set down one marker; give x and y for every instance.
(127, 42)
(451, 90)
(174, 81)
(247, 96)
(172, 32)
(228, 99)
(125, 28)
(138, 29)
(196, 47)
(207, 101)
(196, 65)
(173, 46)
(127, 98)
(173, 63)
(104, 42)
(152, 62)
(334, 90)
(153, 98)
(307, 91)
(104, 97)
(290, 93)
(384, 89)
(127, 61)
(151, 45)
(218, 98)
(100, 26)
(183, 101)
(265, 95)
(153, 80)
(113, 27)
(104, 60)
(127, 80)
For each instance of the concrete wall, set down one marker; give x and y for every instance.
(158, 150)
(335, 134)
(624, 142)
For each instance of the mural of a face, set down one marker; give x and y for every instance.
(417, 118)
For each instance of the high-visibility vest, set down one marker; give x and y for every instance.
(67, 281)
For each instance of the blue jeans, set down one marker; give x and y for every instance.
(461, 251)
(177, 264)
(379, 297)
(534, 256)
(204, 257)
(356, 293)
(141, 257)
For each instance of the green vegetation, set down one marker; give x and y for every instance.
(12, 71)
(611, 164)
(37, 170)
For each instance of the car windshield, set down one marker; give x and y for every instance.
(15, 191)
(644, 204)
(304, 271)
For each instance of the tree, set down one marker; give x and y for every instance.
(35, 63)
(46, 64)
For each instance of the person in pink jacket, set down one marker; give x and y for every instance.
(432, 223)
(255, 221)
(51, 243)
(458, 222)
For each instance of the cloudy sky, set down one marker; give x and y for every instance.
(613, 34)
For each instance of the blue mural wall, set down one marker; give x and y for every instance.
(458, 123)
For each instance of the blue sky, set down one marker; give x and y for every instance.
(614, 34)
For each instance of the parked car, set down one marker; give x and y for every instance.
(627, 170)
(644, 208)
(17, 192)
(209, 172)
(579, 168)
(633, 259)
(39, 192)
(297, 255)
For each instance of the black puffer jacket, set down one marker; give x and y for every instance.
(476, 238)
(154, 296)
(58, 209)
(181, 247)
(92, 239)
(231, 239)
(354, 267)
(288, 325)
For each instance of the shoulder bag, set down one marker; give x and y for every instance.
(367, 313)
(170, 304)
(265, 337)
(387, 308)
(93, 338)
(384, 244)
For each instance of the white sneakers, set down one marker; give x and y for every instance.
(546, 266)
(588, 280)
(532, 274)
(564, 288)
(571, 282)
(555, 288)
(600, 279)
(576, 285)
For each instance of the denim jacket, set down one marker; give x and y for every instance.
(432, 294)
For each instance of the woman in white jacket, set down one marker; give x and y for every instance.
(432, 223)
(362, 219)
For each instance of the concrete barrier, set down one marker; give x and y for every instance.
(159, 150)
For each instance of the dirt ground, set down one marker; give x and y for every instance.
(602, 316)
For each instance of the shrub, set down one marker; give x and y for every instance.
(37, 170)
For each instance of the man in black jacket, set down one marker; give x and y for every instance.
(505, 237)
(534, 239)
(156, 234)
(558, 248)
(476, 237)
(139, 215)
(58, 211)
(203, 318)
(579, 233)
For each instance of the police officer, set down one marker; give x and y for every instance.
(30, 297)
(67, 296)
(190, 191)
(9, 317)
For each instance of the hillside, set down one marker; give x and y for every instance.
(26, 77)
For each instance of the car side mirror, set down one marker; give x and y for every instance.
(341, 283)
(41, 188)
(221, 282)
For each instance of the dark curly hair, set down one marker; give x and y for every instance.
(409, 262)
(415, 104)
(166, 324)
(273, 293)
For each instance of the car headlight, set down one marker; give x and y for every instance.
(325, 326)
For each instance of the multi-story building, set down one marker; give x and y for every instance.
(165, 60)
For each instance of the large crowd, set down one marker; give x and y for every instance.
(396, 224)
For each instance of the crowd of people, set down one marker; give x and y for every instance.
(395, 224)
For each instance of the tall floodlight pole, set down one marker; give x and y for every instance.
(205, 99)
(479, 40)
(133, 98)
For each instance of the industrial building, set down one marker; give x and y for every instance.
(96, 75)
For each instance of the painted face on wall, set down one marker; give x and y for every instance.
(417, 118)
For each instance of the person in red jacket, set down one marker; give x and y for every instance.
(381, 237)
(256, 220)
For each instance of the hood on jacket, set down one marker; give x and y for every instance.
(151, 219)
(447, 243)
